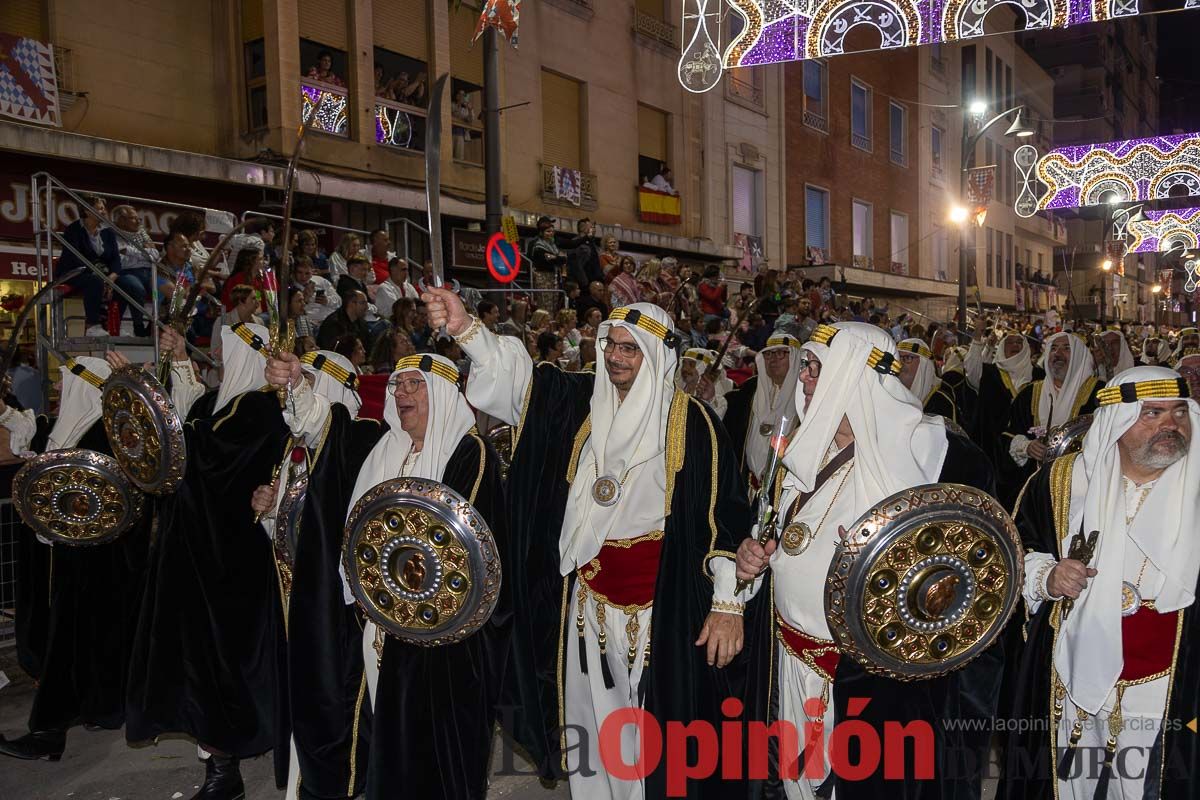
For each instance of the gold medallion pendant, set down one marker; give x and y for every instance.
(765, 429)
(1131, 599)
(606, 491)
(796, 538)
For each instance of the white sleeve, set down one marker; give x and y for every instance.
(501, 370)
(22, 426)
(726, 598)
(1018, 448)
(185, 389)
(306, 411)
(973, 363)
(1037, 572)
(333, 299)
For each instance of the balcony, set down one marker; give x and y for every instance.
(860, 141)
(564, 186)
(329, 102)
(745, 90)
(818, 122)
(656, 30)
(659, 208)
(468, 143)
(399, 125)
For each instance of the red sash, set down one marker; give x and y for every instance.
(1148, 643)
(820, 654)
(625, 572)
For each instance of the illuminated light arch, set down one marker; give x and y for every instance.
(754, 17)
(1112, 9)
(898, 23)
(1184, 175)
(1095, 192)
(963, 19)
(1162, 230)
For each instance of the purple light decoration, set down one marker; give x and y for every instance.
(1138, 170)
(1163, 227)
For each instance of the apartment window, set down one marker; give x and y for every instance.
(898, 133)
(1009, 98)
(940, 250)
(256, 84)
(860, 115)
(862, 234)
(899, 243)
(562, 110)
(746, 216)
(1041, 266)
(652, 142)
(1008, 260)
(969, 87)
(1028, 263)
(816, 219)
(990, 254)
(935, 149)
(816, 95)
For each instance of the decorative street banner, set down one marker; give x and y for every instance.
(28, 83)
(504, 16)
(1135, 170)
(980, 183)
(1161, 231)
(774, 31)
(568, 185)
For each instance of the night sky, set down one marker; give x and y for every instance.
(1178, 36)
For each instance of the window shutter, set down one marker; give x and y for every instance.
(402, 26)
(466, 60)
(324, 21)
(900, 239)
(560, 121)
(252, 20)
(652, 133)
(25, 18)
(744, 201)
(815, 203)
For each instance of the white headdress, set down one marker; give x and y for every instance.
(79, 408)
(926, 379)
(334, 378)
(769, 403)
(1055, 406)
(243, 352)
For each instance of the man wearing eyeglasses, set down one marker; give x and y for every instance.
(620, 487)
(390, 724)
(1189, 367)
(918, 374)
(758, 405)
(863, 437)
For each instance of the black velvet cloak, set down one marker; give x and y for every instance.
(31, 598)
(996, 394)
(430, 735)
(1021, 418)
(738, 412)
(91, 597)
(966, 399)
(941, 403)
(1030, 754)
(210, 652)
(970, 693)
(679, 684)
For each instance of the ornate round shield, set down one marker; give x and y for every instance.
(287, 521)
(145, 430)
(76, 497)
(1067, 438)
(421, 561)
(501, 437)
(924, 581)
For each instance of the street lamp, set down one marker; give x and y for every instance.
(1018, 128)
(958, 214)
(1155, 290)
(1106, 266)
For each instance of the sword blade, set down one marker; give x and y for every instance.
(433, 177)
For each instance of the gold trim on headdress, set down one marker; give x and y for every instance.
(249, 337)
(322, 363)
(883, 362)
(1163, 389)
(783, 341)
(918, 349)
(79, 370)
(427, 363)
(639, 320)
(823, 334)
(700, 354)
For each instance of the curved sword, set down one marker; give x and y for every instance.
(433, 178)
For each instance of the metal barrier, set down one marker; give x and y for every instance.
(10, 525)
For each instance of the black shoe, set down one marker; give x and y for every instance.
(222, 780)
(32, 746)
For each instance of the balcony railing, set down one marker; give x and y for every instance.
(468, 143)
(654, 28)
(330, 104)
(860, 141)
(744, 90)
(399, 125)
(816, 121)
(569, 187)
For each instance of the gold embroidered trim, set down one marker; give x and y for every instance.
(643, 321)
(321, 363)
(592, 569)
(428, 364)
(1166, 389)
(524, 412)
(676, 443)
(809, 657)
(471, 331)
(362, 690)
(585, 430)
(728, 607)
(474, 434)
(562, 643)
(916, 349)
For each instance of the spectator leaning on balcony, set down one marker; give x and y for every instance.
(323, 70)
(98, 245)
(663, 181)
(462, 112)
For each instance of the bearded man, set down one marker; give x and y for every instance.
(692, 378)
(1117, 357)
(327, 727)
(620, 489)
(919, 376)
(1108, 677)
(209, 658)
(1068, 390)
(432, 746)
(1188, 337)
(758, 405)
(873, 440)
(1152, 350)
(1188, 366)
(998, 381)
